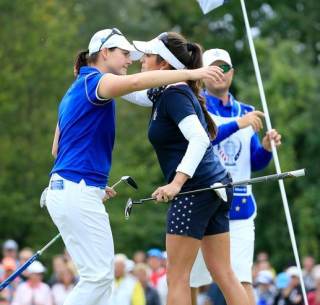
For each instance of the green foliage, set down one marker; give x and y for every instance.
(40, 41)
(36, 68)
(290, 85)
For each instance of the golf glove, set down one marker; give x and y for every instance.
(43, 198)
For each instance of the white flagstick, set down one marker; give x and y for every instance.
(274, 150)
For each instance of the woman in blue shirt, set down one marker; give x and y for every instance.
(83, 146)
(180, 130)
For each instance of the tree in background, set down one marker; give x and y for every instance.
(42, 39)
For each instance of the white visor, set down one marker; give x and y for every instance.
(157, 47)
(107, 39)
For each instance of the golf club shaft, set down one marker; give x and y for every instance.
(18, 272)
(49, 244)
(114, 185)
(291, 174)
(34, 257)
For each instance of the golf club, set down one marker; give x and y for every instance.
(126, 179)
(285, 175)
(34, 257)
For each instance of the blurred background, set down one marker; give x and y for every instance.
(39, 41)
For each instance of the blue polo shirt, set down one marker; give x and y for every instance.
(170, 108)
(87, 131)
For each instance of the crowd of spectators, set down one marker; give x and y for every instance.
(142, 280)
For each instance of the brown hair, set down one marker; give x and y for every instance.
(84, 59)
(190, 54)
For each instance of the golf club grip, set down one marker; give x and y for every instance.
(15, 274)
(292, 174)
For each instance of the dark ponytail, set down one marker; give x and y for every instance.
(83, 59)
(196, 62)
(190, 54)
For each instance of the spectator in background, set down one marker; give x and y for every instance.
(142, 273)
(70, 262)
(292, 294)
(265, 291)
(34, 291)
(24, 255)
(314, 296)
(262, 263)
(316, 271)
(63, 287)
(262, 257)
(308, 265)
(139, 257)
(127, 290)
(130, 266)
(282, 280)
(158, 277)
(203, 297)
(10, 249)
(8, 266)
(216, 295)
(59, 265)
(164, 260)
(154, 261)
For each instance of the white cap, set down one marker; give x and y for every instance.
(112, 38)
(10, 244)
(36, 267)
(213, 55)
(293, 271)
(129, 265)
(264, 277)
(157, 47)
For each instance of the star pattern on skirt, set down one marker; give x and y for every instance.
(181, 214)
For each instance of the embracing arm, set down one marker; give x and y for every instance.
(116, 85)
(139, 98)
(54, 150)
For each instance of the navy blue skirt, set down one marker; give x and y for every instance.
(200, 214)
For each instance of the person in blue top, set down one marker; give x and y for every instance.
(238, 146)
(83, 144)
(180, 130)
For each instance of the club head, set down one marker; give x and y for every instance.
(129, 180)
(128, 209)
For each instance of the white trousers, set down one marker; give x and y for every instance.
(79, 213)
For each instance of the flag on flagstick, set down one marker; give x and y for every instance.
(209, 5)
